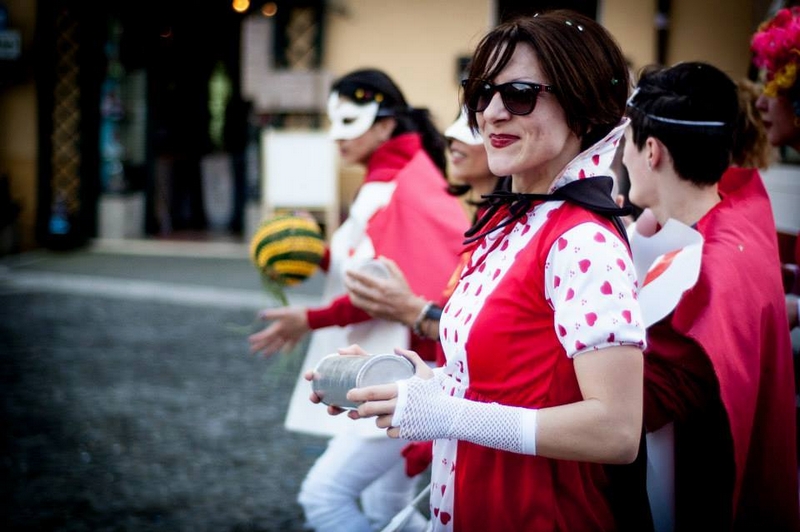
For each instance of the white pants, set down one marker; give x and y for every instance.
(355, 468)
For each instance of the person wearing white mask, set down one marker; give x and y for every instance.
(403, 211)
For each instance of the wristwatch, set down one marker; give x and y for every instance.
(433, 313)
(430, 311)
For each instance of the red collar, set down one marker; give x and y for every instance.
(392, 156)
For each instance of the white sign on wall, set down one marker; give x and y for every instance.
(300, 171)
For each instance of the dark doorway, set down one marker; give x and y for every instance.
(176, 48)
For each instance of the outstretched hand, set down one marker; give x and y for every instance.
(287, 326)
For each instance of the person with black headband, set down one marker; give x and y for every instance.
(403, 211)
(543, 335)
(719, 403)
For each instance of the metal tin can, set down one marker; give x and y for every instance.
(336, 374)
(375, 268)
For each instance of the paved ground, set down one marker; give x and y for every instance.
(130, 402)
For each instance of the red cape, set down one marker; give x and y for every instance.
(421, 229)
(750, 351)
(421, 205)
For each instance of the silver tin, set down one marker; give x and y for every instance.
(375, 268)
(336, 374)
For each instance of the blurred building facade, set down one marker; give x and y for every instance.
(149, 123)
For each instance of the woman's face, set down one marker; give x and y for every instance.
(357, 132)
(780, 120)
(468, 163)
(360, 149)
(533, 148)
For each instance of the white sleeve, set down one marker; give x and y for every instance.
(590, 282)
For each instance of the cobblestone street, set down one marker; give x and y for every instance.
(130, 401)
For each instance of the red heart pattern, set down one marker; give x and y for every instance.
(605, 288)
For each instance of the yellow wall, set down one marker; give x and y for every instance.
(716, 31)
(417, 43)
(631, 22)
(18, 134)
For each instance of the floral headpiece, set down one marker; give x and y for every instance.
(776, 48)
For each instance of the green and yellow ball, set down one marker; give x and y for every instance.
(288, 248)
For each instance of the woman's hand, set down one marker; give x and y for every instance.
(287, 327)
(388, 298)
(310, 375)
(380, 400)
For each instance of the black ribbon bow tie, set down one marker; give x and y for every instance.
(593, 193)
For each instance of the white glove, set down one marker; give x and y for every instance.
(425, 412)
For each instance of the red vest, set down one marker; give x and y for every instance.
(531, 369)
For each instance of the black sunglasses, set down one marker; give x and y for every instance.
(519, 97)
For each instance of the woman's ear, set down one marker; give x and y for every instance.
(385, 127)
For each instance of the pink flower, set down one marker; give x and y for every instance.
(777, 42)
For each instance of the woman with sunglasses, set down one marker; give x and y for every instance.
(719, 390)
(403, 211)
(543, 336)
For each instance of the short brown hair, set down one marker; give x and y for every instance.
(751, 148)
(580, 59)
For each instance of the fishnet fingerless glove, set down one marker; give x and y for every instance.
(425, 412)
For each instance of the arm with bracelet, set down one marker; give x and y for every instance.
(427, 322)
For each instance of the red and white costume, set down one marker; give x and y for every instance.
(719, 367)
(402, 211)
(556, 283)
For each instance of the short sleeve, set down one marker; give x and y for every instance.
(591, 284)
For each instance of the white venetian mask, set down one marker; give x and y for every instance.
(349, 120)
